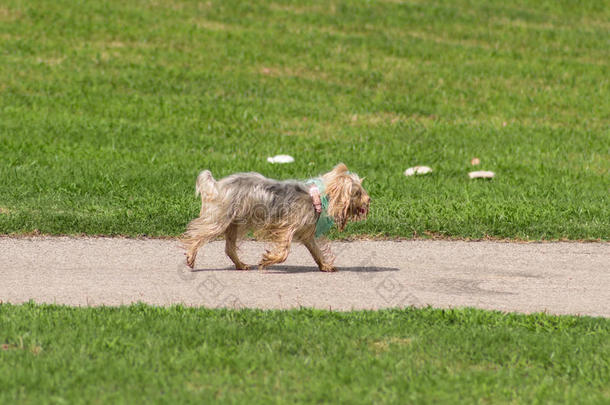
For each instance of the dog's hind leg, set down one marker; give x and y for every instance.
(200, 231)
(232, 234)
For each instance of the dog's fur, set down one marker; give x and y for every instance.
(276, 211)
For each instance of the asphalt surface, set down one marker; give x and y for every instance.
(558, 278)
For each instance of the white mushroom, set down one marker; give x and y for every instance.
(481, 175)
(280, 159)
(417, 170)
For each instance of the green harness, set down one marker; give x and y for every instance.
(324, 221)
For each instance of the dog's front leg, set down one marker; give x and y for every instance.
(282, 239)
(318, 255)
(277, 255)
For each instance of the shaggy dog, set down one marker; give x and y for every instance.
(276, 211)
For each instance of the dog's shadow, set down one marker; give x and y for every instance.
(285, 269)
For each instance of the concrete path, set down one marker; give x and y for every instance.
(559, 278)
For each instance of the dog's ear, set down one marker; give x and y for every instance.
(339, 192)
(340, 168)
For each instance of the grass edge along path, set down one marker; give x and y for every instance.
(141, 353)
(108, 110)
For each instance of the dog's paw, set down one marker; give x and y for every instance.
(190, 261)
(263, 270)
(328, 268)
(242, 267)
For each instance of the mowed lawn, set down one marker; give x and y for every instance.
(108, 110)
(142, 354)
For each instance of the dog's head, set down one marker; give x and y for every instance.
(347, 199)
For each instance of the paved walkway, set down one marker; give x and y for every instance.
(559, 278)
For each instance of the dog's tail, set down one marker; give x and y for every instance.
(207, 187)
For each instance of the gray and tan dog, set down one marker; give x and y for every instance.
(276, 211)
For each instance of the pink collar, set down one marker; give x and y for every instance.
(314, 192)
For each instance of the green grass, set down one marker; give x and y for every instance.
(143, 354)
(108, 110)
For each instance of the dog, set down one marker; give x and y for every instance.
(276, 211)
